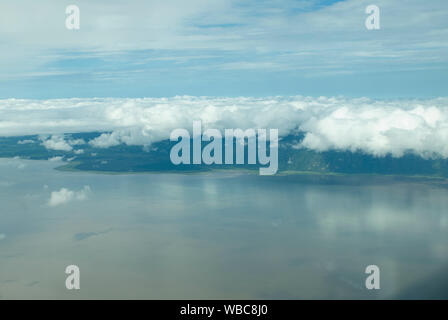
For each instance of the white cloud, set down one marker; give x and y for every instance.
(76, 142)
(106, 140)
(376, 127)
(56, 142)
(55, 159)
(2, 236)
(65, 195)
(295, 34)
(25, 141)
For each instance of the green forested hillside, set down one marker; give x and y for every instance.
(124, 158)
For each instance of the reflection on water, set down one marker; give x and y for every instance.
(220, 235)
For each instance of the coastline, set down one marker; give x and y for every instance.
(71, 167)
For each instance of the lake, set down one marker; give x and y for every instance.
(219, 235)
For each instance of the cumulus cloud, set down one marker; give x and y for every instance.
(76, 142)
(107, 140)
(380, 129)
(65, 195)
(55, 159)
(56, 142)
(376, 127)
(79, 151)
(25, 141)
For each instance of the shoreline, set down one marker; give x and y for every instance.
(71, 168)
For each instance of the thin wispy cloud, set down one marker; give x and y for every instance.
(161, 45)
(65, 195)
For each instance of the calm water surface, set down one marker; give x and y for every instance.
(220, 235)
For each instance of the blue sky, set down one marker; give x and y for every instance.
(223, 48)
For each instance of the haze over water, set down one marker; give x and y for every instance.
(220, 235)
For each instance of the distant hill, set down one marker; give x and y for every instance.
(124, 158)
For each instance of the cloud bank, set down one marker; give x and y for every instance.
(65, 195)
(376, 127)
(58, 142)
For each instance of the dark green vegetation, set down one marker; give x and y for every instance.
(155, 158)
